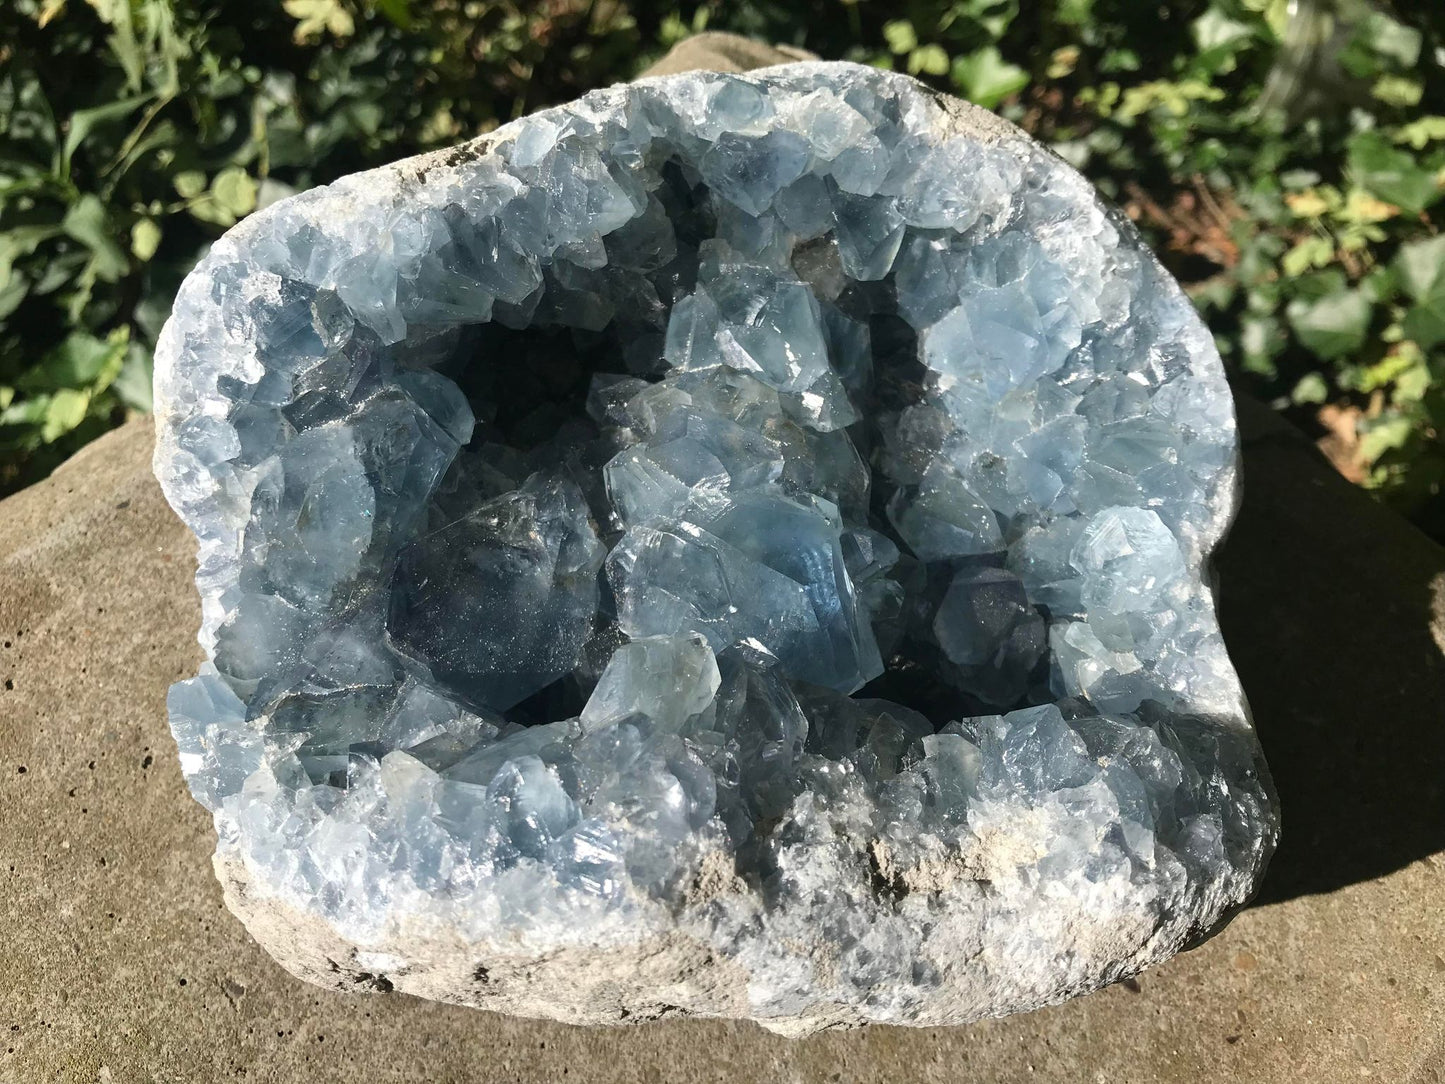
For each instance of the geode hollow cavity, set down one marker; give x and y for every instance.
(733, 545)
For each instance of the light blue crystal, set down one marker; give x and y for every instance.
(313, 512)
(986, 626)
(665, 679)
(746, 317)
(764, 569)
(694, 457)
(998, 339)
(805, 207)
(750, 171)
(756, 738)
(944, 519)
(531, 807)
(546, 742)
(869, 233)
(1128, 560)
(950, 769)
(741, 512)
(1033, 751)
(521, 572)
(218, 749)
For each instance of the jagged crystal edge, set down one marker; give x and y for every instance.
(1057, 480)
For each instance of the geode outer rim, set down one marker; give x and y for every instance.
(628, 980)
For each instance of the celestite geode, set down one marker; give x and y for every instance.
(730, 545)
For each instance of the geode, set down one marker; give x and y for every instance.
(734, 546)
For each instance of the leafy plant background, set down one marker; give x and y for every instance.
(1287, 160)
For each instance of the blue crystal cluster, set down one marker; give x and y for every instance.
(757, 468)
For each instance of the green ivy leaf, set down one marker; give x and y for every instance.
(1420, 133)
(317, 18)
(1214, 29)
(80, 361)
(993, 16)
(145, 238)
(1420, 266)
(234, 191)
(21, 241)
(1380, 285)
(13, 290)
(1384, 434)
(1390, 173)
(1310, 389)
(84, 121)
(1390, 368)
(1261, 340)
(1334, 325)
(25, 412)
(1412, 385)
(133, 383)
(398, 11)
(1313, 287)
(900, 36)
(1391, 39)
(1398, 90)
(1306, 254)
(88, 223)
(189, 184)
(1424, 322)
(986, 79)
(928, 60)
(63, 412)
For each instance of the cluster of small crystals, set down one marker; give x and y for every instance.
(716, 466)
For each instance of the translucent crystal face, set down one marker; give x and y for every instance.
(755, 467)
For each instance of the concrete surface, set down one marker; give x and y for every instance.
(120, 962)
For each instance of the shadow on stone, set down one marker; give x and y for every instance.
(1326, 603)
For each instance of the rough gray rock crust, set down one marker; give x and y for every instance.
(875, 923)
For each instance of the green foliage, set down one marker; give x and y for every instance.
(1286, 160)
(134, 132)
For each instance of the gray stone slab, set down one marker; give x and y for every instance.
(123, 964)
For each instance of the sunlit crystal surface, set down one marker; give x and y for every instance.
(760, 473)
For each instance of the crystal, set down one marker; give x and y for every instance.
(519, 575)
(733, 545)
(666, 679)
(761, 569)
(987, 627)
